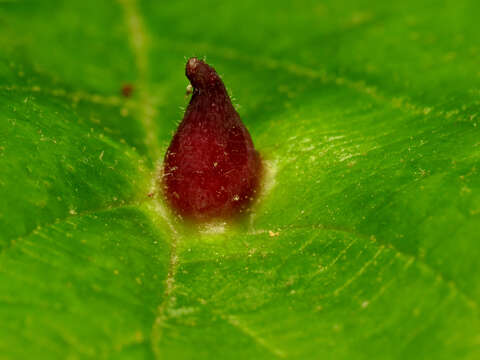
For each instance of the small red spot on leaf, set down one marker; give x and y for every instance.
(127, 90)
(211, 168)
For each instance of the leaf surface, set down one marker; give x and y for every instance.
(364, 243)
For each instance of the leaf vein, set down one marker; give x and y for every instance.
(139, 42)
(161, 316)
(238, 324)
(360, 86)
(408, 258)
(75, 96)
(57, 221)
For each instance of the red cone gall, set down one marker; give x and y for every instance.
(211, 168)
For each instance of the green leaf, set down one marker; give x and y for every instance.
(364, 243)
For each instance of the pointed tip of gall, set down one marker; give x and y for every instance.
(201, 75)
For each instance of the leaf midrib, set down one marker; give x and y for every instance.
(138, 38)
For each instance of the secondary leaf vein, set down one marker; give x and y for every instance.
(57, 221)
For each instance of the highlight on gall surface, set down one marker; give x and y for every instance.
(211, 168)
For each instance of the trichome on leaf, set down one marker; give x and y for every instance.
(211, 168)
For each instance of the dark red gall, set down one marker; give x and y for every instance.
(211, 168)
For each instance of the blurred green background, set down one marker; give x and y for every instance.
(365, 240)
